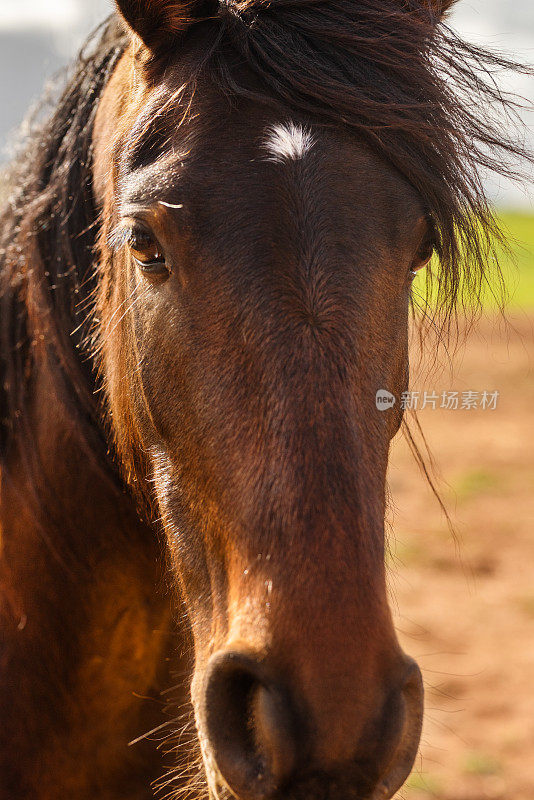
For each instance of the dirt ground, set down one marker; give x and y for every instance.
(465, 609)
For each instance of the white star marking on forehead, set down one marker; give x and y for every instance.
(288, 141)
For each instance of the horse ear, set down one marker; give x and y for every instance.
(157, 21)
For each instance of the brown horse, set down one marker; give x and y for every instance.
(206, 268)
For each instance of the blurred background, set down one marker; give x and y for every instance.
(463, 600)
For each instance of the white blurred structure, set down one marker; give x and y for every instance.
(65, 21)
(37, 37)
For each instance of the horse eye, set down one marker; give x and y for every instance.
(424, 254)
(147, 252)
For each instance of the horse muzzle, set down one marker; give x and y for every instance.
(261, 740)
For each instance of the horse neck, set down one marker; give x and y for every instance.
(85, 620)
(64, 518)
(74, 499)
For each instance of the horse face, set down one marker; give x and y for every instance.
(255, 299)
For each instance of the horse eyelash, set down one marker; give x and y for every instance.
(120, 236)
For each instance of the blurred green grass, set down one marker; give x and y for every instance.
(517, 265)
(519, 270)
(475, 483)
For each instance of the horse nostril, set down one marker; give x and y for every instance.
(402, 743)
(249, 726)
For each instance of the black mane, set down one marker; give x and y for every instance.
(48, 231)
